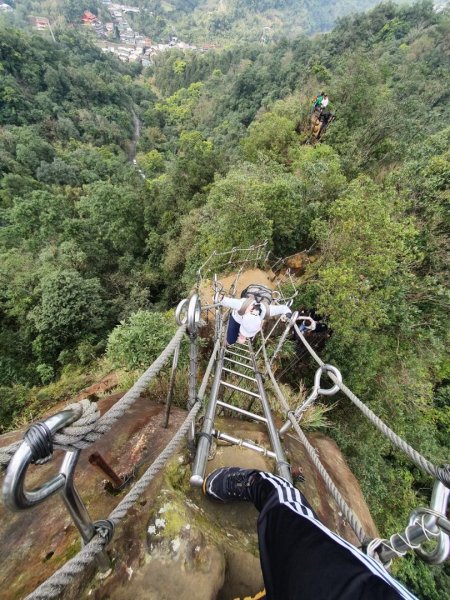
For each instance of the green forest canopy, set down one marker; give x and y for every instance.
(200, 21)
(86, 242)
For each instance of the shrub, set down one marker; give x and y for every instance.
(139, 340)
(12, 401)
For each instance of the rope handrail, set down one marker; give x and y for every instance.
(440, 473)
(90, 426)
(56, 583)
(346, 510)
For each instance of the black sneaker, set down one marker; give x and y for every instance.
(229, 483)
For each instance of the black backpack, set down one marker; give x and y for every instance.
(256, 292)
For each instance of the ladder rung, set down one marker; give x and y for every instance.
(242, 348)
(241, 411)
(237, 373)
(228, 438)
(236, 354)
(236, 362)
(239, 389)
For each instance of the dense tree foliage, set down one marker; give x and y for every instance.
(137, 342)
(71, 241)
(241, 20)
(225, 157)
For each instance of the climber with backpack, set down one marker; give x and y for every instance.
(324, 102)
(249, 312)
(317, 101)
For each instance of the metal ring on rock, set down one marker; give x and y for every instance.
(181, 312)
(193, 313)
(15, 496)
(318, 375)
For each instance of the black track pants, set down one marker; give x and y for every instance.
(301, 559)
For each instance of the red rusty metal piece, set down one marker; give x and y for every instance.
(97, 460)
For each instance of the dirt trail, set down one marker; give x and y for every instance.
(245, 279)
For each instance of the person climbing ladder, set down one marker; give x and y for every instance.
(249, 312)
(301, 559)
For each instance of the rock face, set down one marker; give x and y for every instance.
(175, 543)
(38, 541)
(203, 550)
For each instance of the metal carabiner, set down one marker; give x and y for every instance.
(181, 312)
(424, 524)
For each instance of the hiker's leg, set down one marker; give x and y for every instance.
(301, 558)
(232, 331)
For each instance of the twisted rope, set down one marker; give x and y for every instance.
(346, 510)
(440, 473)
(55, 585)
(89, 426)
(86, 414)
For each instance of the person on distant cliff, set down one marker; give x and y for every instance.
(243, 325)
(324, 102)
(317, 101)
(301, 559)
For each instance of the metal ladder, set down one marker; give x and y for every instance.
(237, 360)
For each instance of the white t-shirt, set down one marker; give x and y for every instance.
(236, 303)
(324, 103)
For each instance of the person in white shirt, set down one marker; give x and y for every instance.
(324, 102)
(244, 326)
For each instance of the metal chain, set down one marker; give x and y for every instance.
(91, 426)
(346, 510)
(440, 473)
(56, 584)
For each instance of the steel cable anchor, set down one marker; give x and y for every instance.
(38, 442)
(315, 393)
(425, 524)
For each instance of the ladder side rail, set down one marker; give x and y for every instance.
(204, 443)
(283, 467)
